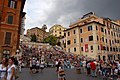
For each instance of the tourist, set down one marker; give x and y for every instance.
(93, 69)
(61, 73)
(20, 65)
(88, 68)
(11, 69)
(42, 65)
(30, 62)
(3, 68)
(37, 65)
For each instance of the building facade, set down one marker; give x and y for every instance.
(39, 32)
(93, 37)
(23, 24)
(57, 30)
(10, 18)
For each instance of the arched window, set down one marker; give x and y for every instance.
(10, 19)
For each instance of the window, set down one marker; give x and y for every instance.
(60, 32)
(12, 4)
(114, 49)
(81, 40)
(60, 28)
(106, 40)
(8, 38)
(107, 48)
(109, 32)
(104, 22)
(74, 31)
(97, 38)
(89, 28)
(74, 49)
(110, 48)
(10, 19)
(68, 42)
(105, 31)
(65, 34)
(90, 38)
(103, 39)
(104, 48)
(81, 48)
(96, 28)
(80, 30)
(63, 42)
(91, 47)
(98, 47)
(102, 30)
(69, 50)
(110, 42)
(68, 33)
(74, 41)
(114, 34)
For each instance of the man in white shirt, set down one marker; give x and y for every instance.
(84, 65)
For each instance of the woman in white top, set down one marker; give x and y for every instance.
(42, 65)
(37, 65)
(3, 68)
(11, 69)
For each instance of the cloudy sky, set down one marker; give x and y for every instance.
(64, 12)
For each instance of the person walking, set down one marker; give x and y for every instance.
(3, 68)
(93, 68)
(61, 73)
(20, 65)
(11, 69)
(30, 62)
(88, 68)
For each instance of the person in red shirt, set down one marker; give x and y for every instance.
(93, 69)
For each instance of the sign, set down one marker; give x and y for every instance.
(86, 47)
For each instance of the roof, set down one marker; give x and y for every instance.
(22, 5)
(85, 24)
(36, 28)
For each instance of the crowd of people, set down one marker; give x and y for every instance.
(36, 59)
(59, 59)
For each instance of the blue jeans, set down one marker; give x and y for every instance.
(93, 73)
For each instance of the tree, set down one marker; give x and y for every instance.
(33, 38)
(52, 40)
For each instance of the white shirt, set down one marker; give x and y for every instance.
(119, 66)
(9, 71)
(2, 72)
(84, 63)
(37, 63)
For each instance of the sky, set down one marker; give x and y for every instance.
(64, 12)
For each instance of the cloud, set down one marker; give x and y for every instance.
(64, 12)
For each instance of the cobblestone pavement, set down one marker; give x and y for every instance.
(50, 74)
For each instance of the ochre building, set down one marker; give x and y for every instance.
(57, 30)
(93, 37)
(10, 19)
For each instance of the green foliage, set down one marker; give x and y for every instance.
(52, 40)
(33, 38)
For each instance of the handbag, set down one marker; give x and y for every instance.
(61, 72)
